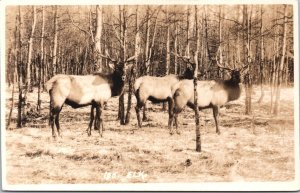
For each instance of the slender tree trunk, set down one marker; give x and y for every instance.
(147, 40)
(12, 62)
(247, 57)
(55, 36)
(280, 70)
(28, 83)
(168, 60)
(261, 63)
(41, 62)
(98, 37)
(123, 33)
(287, 71)
(20, 70)
(132, 75)
(274, 76)
(175, 49)
(220, 42)
(197, 117)
(30, 49)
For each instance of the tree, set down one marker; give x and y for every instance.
(280, 69)
(55, 36)
(98, 35)
(132, 74)
(261, 62)
(41, 62)
(247, 56)
(197, 118)
(20, 69)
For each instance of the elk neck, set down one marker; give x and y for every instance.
(188, 74)
(117, 86)
(233, 89)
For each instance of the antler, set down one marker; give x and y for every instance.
(244, 67)
(220, 66)
(184, 58)
(130, 59)
(107, 56)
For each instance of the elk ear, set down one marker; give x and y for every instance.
(112, 65)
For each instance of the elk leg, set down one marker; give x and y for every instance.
(176, 121)
(100, 122)
(216, 117)
(51, 115)
(171, 115)
(51, 123)
(144, 113)
(57, 123)
(54, 120)
(92, 116)
(96, 120)
(137, 110)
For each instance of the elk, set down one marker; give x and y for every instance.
(157, 89)
(80, 91)
(211, 94)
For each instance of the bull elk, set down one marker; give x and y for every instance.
(80, 91)
(211, 94)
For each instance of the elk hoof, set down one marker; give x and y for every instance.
(178, 132)
(171, 132)
(218, 132)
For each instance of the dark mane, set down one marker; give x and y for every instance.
(115, 81)
(188, 74)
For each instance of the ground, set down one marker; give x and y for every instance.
(252, 148)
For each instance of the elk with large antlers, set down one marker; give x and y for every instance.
(79, 91)
(211, 94)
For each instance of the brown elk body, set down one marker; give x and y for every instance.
(211, 94)
(79, 91)
(157, 89)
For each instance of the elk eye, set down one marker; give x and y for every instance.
(123, 78)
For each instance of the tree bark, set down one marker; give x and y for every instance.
(41, 62)
(197, 117)
(147, 41)
(132, 74)
(55, 36)
(98, 35)
(29, 57)
(168, 43)
(175, 50)
(280, 70)
(261, 63)
(20, 70)
(12, 61)
(247, 57)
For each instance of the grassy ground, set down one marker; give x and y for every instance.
(250, 148)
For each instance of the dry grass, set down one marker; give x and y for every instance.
(250, 148)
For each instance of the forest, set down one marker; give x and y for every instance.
(45, 40)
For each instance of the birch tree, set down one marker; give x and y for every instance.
(280, 69)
